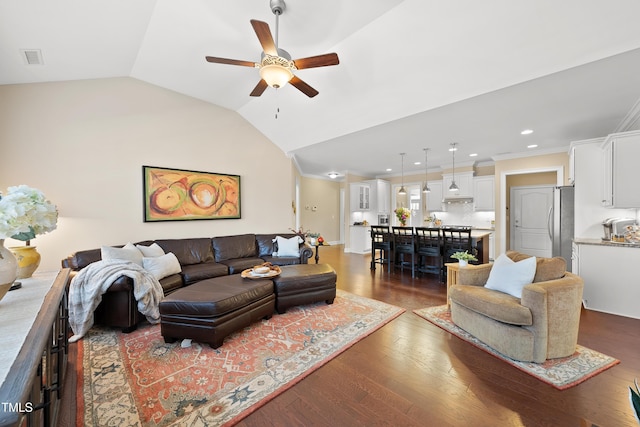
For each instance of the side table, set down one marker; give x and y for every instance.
(452, 277)
(317, 245)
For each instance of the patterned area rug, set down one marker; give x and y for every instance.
(561, 373)
(137, 380)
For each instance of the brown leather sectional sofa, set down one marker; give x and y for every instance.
(200, 259)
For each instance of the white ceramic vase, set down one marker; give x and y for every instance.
(463, 262)
(8, 269)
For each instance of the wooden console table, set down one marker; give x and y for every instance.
(33, 357)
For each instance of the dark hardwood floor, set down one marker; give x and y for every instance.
(412, 373)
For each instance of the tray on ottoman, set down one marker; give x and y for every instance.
(212, 309)
(304, 284)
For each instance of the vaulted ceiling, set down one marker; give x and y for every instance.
(413, 74)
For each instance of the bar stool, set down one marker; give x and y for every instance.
(456, 239)
(429, 248)
(381, 241)
(404, 244)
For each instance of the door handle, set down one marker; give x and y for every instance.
(549, 223)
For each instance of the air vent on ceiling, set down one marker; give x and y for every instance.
(32, 56)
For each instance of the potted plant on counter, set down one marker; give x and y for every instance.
(313, 237)
(464, 258)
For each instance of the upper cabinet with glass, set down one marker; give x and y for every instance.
(360, 197)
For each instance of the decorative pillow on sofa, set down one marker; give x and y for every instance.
(128, 253)
(162, 266)
(510, 277)
(288, 247)
(153, 250)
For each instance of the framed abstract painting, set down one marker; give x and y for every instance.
(178, 195)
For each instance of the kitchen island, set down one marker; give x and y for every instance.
(610, 274)
(359, 239)
(480, 241)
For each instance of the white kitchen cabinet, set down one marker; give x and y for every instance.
(380, 194)
(464, 181)
(434, 197)
(360, 239)
(484, 191)
(360, 197)
(610, 275)
(589, 210)
(620, 156)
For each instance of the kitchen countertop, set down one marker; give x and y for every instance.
(600, 242)
(476, 234)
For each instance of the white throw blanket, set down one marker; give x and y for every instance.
(87, 287)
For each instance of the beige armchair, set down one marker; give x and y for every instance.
(541, 325)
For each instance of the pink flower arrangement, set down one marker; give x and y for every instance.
(403, 215)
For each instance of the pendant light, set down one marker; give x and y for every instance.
(402, 190)
(426, 188)
(453, 186)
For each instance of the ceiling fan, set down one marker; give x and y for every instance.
(276, 66)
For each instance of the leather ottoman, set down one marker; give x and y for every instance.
(211, 309)
(304, 284)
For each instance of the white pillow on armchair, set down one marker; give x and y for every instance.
(509, 276)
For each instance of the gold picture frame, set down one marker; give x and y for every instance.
(179, 195)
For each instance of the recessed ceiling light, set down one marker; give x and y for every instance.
(416, 163)
(532, 146)
(389, 169)
(473, 155)
(526, 132)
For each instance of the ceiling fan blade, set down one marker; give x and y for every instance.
(230, 61)
(303, 87)
(259, 89)
(264, 35)
(317, 61)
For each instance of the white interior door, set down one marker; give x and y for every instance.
(529, 214)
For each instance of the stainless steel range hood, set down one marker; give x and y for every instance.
(457, 200)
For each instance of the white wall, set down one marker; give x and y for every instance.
(83, 143)
(320, 207)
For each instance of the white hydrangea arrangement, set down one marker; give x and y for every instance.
(25, 213)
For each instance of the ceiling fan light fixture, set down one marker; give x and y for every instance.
(276, 67)
(276, 70)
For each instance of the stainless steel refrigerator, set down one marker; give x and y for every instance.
(561, 223)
